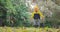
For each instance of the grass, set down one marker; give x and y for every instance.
(26, 29)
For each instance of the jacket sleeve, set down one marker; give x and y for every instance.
(41, 15)
(32, 15)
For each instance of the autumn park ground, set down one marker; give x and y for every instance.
(28, 29)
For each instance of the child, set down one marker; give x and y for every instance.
(36, 15)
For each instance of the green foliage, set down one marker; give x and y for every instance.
(16, 12)
(19, 9)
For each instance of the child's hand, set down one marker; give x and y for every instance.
(42, 18)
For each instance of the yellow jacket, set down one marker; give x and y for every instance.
(39, 12)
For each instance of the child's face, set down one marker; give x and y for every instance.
(36, 9)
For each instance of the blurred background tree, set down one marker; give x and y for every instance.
(16, 13)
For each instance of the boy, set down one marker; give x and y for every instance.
(36, 15)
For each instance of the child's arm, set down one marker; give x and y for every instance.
(32, 15)
(41, 15)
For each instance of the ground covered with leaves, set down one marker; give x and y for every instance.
(26, 29)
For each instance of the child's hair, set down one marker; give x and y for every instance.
(36, 7)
